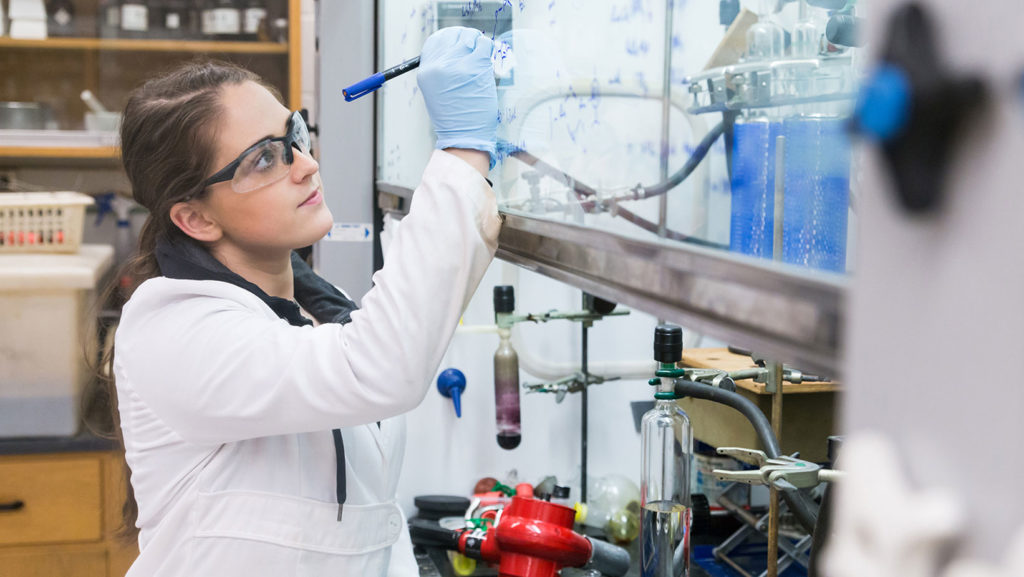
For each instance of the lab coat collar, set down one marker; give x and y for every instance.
(185, 259)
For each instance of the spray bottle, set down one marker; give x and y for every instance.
(506, 372)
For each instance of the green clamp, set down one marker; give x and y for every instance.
(481, 523)
(661, 396)
(669, 370)
(505, 489)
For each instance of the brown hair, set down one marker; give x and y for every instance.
(168, 135)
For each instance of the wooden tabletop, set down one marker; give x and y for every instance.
(727, 361)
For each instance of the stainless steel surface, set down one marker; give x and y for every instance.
(25, 116)
(666, 104)
(780, 193)
(782, 311)
(346, 36)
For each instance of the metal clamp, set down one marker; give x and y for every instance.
(785, 473)
(571, 384)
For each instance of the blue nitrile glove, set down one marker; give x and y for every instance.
(457, 81)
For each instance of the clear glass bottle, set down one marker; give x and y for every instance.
(208, 22)
(279, 30)
(109, 16)
(172, 19)
(134, 19)
(254, 17)
(666, 453)
(765, 39)
(806, 35)
(506, 371)
(613, 505)
(60, 18)
(228, 18)
(506, 392)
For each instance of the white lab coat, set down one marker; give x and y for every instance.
(227, 410)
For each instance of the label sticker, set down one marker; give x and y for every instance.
(350, 232)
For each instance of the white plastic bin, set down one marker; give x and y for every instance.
(42, 221)
(45, 312)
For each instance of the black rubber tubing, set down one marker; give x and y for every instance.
(607, 559)
(803, 508)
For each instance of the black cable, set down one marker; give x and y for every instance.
(683, 173)
(583, 413)
(584, 192)
(803, 508)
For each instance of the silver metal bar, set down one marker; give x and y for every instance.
(780, 182)
(666, 104)
(783, 311)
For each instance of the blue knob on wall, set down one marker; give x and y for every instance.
(451, 383)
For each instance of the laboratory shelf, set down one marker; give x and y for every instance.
(61, 144)
(781, 311)
(147, 45)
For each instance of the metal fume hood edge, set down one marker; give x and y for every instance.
(779, 311)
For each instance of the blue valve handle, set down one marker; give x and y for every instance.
(451, 383)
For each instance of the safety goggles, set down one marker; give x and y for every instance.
(267, 161)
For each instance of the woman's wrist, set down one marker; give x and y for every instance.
(478, 159)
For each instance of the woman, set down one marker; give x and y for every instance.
(257, 403)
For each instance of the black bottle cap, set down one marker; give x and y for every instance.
(504, 299)
(668, 343)
(437, 506)
(560, 492)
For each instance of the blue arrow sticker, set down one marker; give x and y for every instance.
(350, 232)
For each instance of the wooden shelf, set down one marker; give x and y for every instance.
(58, 144)
(141, 44)
(724, 360)
(86, 152)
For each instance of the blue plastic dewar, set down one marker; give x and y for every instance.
(817, 192)
(753, 187)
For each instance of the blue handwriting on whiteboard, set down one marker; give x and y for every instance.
(507, 114)
(472, 7)
(504, 3)
(637, 47)
(627, 12)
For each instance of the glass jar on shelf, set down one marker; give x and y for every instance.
(170, 19)
(254, 19)
(60, 18)
(108, 19)
(227, 19)
(134, 19)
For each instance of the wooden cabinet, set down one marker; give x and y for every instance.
(56, 70)
(70, 509)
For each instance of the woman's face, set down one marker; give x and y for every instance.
(279, 217)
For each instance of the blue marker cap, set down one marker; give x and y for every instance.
(364, 87)
(451, 383)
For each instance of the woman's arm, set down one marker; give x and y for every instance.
(215, 370)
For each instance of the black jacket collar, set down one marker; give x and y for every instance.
(185, 259)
